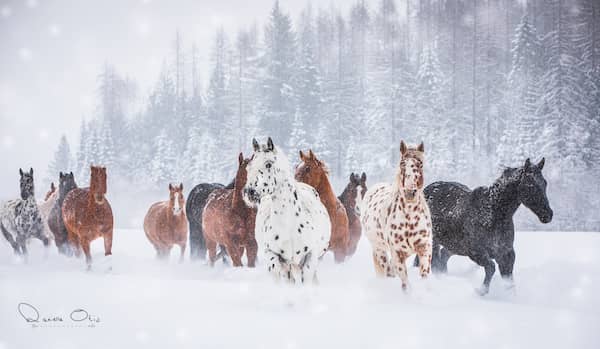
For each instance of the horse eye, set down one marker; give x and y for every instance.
(268, 165)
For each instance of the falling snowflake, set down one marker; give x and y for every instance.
(8, 142)
(54, 30)
(32, 3)
(25, 54)
(6, 11)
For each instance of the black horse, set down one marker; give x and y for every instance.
(20, 219)
(479, 223)
(194, 207)
(55, 219)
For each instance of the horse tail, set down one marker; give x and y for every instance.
(194, 208)
(416, 262)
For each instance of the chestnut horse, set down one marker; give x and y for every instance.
(351, 198)
(228, 221)
(165, 223)
(87, 215)
(313, 172)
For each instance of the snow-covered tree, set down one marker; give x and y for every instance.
(62, 161)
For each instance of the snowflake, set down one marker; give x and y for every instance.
(32, 3)
(25, 54)
(54, 30)
(8, 142)
(6, 11)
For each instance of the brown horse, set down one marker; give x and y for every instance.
(313, 172)
(165, 223)
(228, 221)
(88, 216)
(351, 198)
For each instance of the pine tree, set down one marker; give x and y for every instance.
(164, 162)
(62, 161)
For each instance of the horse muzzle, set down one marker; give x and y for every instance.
(410, 194)
(252, 195)
(546, 217)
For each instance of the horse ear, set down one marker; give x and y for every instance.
(311, 155)
(402, 147)
(31, 171)
(255, 144)
(52, 187)
(240, 158)
(301, 155)
(180, 186)
(71, 173)
(527, 164)
(421, 147)
(540, 164)
(352, 177)
(60, 175)
(363, 178)
(270, 145)
(170, 187)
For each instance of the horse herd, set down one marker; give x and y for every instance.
(292, 217)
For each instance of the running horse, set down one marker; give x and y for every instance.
(45, 207)
(165, 223)
(313, 172)
(351, 198)
(229, 222)
(56, 223)
(87, 215)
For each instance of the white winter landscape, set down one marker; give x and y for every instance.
(149, 304)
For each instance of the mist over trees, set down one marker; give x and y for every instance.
(485, 84)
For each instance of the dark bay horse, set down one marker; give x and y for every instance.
(313, 172)
(479, 223)
(351, 198)
(165, 223)
(229, 222)
(88, 215)
(56, 224)
(194, 207)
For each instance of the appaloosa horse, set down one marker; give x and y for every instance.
(313, 172)
(292, 225)
(165, 223)
(479, 223)
(396, 218)
(352, 198)
(229, 222)
(88, 215)
(56, 224)
(45, 207)
(194, 207)
(20, 219)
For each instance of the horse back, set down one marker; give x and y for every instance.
(197, 199)
(448, 202)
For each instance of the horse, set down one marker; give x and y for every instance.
(45, 207)
(56, 223)
(194, 208)
(87, 215)
(20, 219)
(292, 224)
(396, 218)
(479, 223)
(351, 198)
(228, 221)
(165, 223)
(313, 172)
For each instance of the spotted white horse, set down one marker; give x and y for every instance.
(396, 219)
(292, 225)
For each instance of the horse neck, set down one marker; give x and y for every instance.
(326, 193)
(237, 199)
(504, 195)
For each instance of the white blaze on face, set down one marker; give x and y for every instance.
(176, 206)
(358, 200)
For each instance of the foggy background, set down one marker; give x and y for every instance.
(171, 91)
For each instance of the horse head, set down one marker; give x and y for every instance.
(311, 170)
(360, 187)
(50, 192)
(410, 174)
(266, 170)
(98, 183)
(532, 190)
(241, 176)
(27, 188)
(65, 184)
(176, 198)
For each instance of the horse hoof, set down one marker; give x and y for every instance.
(482, 291)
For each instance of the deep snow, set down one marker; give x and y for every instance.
(145, 303)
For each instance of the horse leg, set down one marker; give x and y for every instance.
(339, 254)
(22, 242)
(211, 246)
(484, 260)
(442, 265)
(182, 249)
(274, 265)
(381, 262)
(74, 243)
(85, 245)
(424, 253)
(399, 266)
(234, 252)
(309, 269)
(197, 243)
(505, 264)
(251, 251)
(10, 239)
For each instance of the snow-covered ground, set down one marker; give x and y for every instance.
(145, 303)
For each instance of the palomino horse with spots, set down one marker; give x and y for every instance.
(88, 215)
(292, 225)
(55, 218)
(313, 172)
(352, 198)
(396, 218)
(45, 207)
(165, 223)
(229, 222)
(20, 219)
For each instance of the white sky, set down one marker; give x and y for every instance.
(52, 50)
